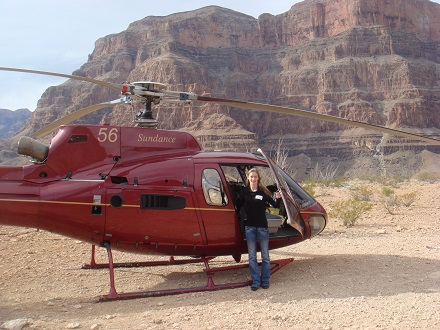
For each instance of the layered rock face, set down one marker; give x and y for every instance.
(11, 121)
(376, 61)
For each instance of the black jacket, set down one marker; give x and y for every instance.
(254, 205)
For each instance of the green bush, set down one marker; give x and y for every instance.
(350, 210)
(389, 180)
(387, 191)
(391, 203)
(408, 198)
(362, 193)
(389, 199)
(427, 177)
(310, 186)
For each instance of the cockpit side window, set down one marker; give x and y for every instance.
(213, 189)
(236, 177)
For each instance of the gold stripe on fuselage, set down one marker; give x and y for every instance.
(100, 204)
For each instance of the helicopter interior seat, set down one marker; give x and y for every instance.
(274, 221)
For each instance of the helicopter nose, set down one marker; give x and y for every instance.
(317, 224)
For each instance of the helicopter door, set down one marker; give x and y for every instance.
(146, 217)
(215, 206)
(294, 218)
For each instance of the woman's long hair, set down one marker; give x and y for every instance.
(260, 185)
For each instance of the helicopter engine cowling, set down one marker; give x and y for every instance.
(29, 147)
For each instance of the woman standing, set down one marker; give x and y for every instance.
(254, 199)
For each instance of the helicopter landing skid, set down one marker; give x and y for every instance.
(210, 285)
(171, 261)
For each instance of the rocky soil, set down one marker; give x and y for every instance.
(383, 273)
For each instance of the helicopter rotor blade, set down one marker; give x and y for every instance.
(91, 80)
(74, 116)
(313, 115)
(188, 97)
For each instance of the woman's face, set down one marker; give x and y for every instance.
(253, 177)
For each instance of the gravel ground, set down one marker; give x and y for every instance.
(383, 273)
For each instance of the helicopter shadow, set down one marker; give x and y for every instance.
(356, 275)
(309, 276)
(312, 276)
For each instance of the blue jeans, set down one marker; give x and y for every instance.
(262, 234)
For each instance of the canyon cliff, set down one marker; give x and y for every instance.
(11, 121)
(376, 61)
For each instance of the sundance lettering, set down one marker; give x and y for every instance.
(157, 138)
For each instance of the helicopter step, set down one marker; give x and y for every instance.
(210, 285)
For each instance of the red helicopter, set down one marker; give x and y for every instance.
(149, 191)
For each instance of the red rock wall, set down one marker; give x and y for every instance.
(375, 61)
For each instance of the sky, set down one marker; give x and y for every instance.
(58, 36)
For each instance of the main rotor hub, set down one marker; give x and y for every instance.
(144, 89)
(151, 93)
(150, 86)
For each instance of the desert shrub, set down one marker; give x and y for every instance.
(389, 180)
(339, 181)
(397, 178)
(309, 186)
(281, 156)
(427, 177)
(387, 191)
(391, 203)
(362, 193)
(350, 210)
(408, 198)
(327, 177)
(389, 199)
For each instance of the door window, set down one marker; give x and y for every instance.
(213, 189)
(288, 195)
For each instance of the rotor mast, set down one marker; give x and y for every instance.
(145, 118)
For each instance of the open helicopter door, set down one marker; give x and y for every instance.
(294, 218)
